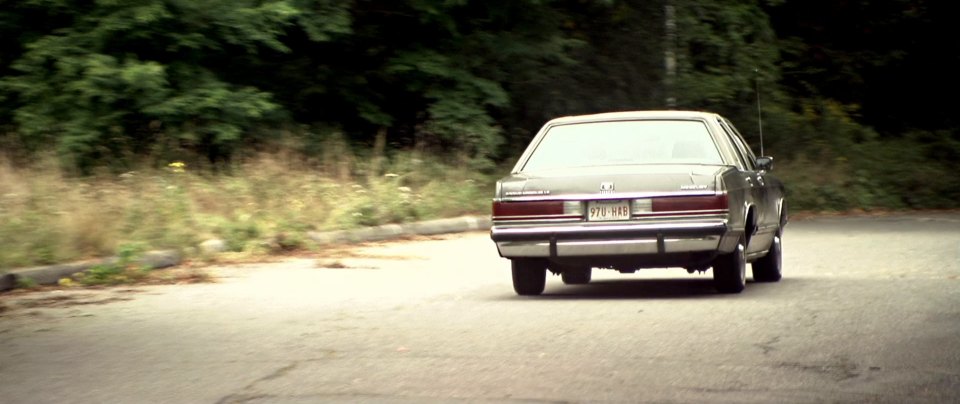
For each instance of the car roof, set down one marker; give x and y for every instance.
(628, 115)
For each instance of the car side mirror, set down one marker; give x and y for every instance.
(765, 163)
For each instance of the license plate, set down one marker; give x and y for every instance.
(604, 211)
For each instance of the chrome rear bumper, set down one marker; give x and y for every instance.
(608, 240)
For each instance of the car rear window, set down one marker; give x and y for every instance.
(624, 143)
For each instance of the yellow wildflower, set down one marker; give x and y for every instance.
(177, 166)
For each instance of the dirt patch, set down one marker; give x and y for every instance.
(356, 252)
(69, 301)
(172, 276)
(330, 264)
(28, 304)
(240, 258)
(337, 264)
(178, 276)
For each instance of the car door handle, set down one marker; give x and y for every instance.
(750, 182)
(760, 180)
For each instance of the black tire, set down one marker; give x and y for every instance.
(576, 275)
(529, 276)
(730, 270)
(770, 267)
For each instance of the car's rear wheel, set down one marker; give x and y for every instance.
(576, 275)
(730, 270)
(529, 276)
(769, 268)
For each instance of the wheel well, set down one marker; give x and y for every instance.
(749, 226)
(784, 213)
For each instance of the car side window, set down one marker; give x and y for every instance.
(736, 148)
(745, 153)
(752, 156)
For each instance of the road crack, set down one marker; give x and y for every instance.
(279, 372)
(247, 394)
(241, 398)
(767, 346)
(839, 370)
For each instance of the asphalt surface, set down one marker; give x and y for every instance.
(868, 311)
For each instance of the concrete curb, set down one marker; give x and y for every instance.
(51, 274)
(391, 231)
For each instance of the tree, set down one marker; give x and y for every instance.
(115, 77)
(725, 48)
(885, 58)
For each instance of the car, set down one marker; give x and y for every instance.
(641, 189)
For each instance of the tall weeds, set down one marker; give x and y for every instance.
(47, 216)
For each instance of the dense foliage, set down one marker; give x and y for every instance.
(845, 84)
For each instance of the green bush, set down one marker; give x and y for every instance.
(123, 270)
(25, 283)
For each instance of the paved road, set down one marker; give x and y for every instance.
(869, 310)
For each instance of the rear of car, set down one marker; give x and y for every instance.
(623, 191)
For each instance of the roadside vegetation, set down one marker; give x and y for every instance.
(831, 162)
(262, 204)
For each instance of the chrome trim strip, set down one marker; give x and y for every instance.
(540, 217)
(498, 222)
(597, 197)
(683, 213)
(618, 247)
(700, 216)
(600, 228)
(581, 248)
(660, 221)
(633, 231)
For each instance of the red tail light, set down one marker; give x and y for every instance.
(691, 204)
(535, 210)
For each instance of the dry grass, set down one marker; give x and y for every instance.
(49, 217)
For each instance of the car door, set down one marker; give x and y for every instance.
(759, 188)
(772, 191)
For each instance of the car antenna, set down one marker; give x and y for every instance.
(759, 111)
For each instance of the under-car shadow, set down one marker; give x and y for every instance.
(673, 288)
(633, 289)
